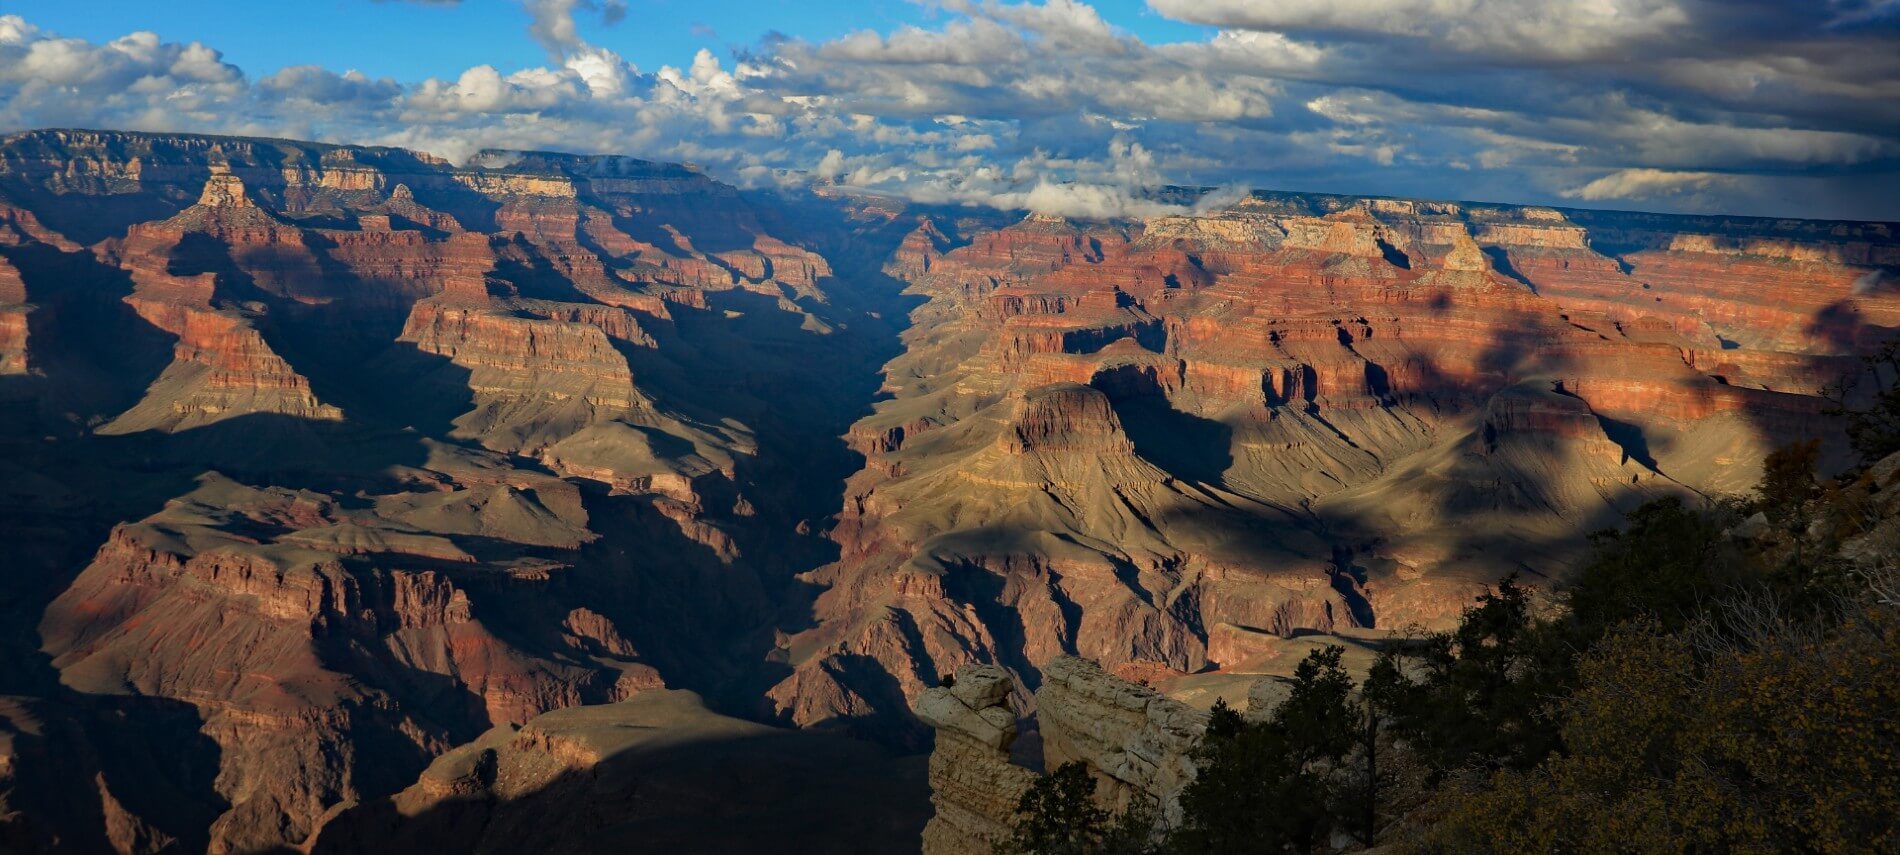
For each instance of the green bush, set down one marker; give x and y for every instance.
(1058, 816)
(1781, 741)
(1280, 784)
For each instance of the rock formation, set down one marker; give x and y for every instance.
(13, 321)
(421, 450)
(973, 785)
(318, 463)
(1301, 413)
(1132, 736)
(1133, 740)
(1137, 743)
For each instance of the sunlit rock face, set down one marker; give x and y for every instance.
(1154, 444)
(1135, 742)
(324, 468)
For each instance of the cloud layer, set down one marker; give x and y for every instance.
(1778, 107)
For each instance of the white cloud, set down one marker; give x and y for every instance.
(1562, 29)
(554, 25)
(1222, 198)
(1634, 184)
(831, 166)
(1083, 201)
(14, 30)
(323, 86)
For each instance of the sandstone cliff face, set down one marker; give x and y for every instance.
(222, 367)
(13, 321)
(973, 785)
(1132, 736)
(1303, 413)
(1133, 740)
(297, 628)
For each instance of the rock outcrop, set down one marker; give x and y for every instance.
(973, 785)
(1133, 740)
(13, 321)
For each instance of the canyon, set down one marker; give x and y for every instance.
(353, 497)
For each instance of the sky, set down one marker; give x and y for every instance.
(1765, 107)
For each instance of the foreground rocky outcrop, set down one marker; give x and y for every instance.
(1133, 740)
(974, 785)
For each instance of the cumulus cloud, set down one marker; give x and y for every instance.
(554, 25)
(830, 166)
(1566, 29)
(320, 85)
(1222, 198)
(1084, 201)
(1015, 61)
(1644, 184)
(1782, 107)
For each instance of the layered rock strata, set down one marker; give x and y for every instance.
(1145, 443)
(384, 452)
(974, 786)
(1133, 740)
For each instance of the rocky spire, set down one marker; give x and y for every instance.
(224, 189)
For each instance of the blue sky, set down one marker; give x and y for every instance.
(1073, 107)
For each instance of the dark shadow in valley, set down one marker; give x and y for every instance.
(95, 355)
(712, 792)
(971, 583)
(472, 209)
(799, 390)
(519, 263)
(1187, 445)
(87, 218)
(81, 763)
(1631, 438)
(677, 599)
(1501, 262)
(1349, 581)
